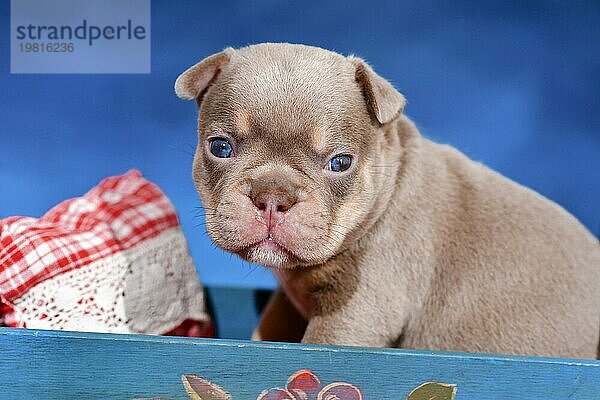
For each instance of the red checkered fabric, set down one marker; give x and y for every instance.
(114, 216)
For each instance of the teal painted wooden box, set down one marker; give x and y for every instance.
(68, 365)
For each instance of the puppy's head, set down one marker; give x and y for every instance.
(292, 142)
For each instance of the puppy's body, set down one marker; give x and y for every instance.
(414, 246)
(486, 266)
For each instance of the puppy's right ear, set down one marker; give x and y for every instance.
(383, 100)
(194, 82)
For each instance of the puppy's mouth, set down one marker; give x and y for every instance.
(269, 236)
(269, 253)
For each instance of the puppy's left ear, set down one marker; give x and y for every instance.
(194, 82)
(383, 100)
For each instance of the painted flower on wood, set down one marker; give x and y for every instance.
(304, 385)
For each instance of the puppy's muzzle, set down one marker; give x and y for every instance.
(273, 195)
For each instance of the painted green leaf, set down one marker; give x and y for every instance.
(433, 391)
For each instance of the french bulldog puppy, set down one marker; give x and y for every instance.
(378, 236)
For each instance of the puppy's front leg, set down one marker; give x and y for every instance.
(352, 326)
(280, 321)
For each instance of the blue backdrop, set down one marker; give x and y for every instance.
(513, 84)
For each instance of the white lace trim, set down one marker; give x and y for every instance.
(150, 288)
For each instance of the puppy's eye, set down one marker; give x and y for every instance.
(340, 163)
(221, 148)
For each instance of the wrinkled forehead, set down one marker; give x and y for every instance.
(282, 95)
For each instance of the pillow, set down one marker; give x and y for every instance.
(114, 260)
